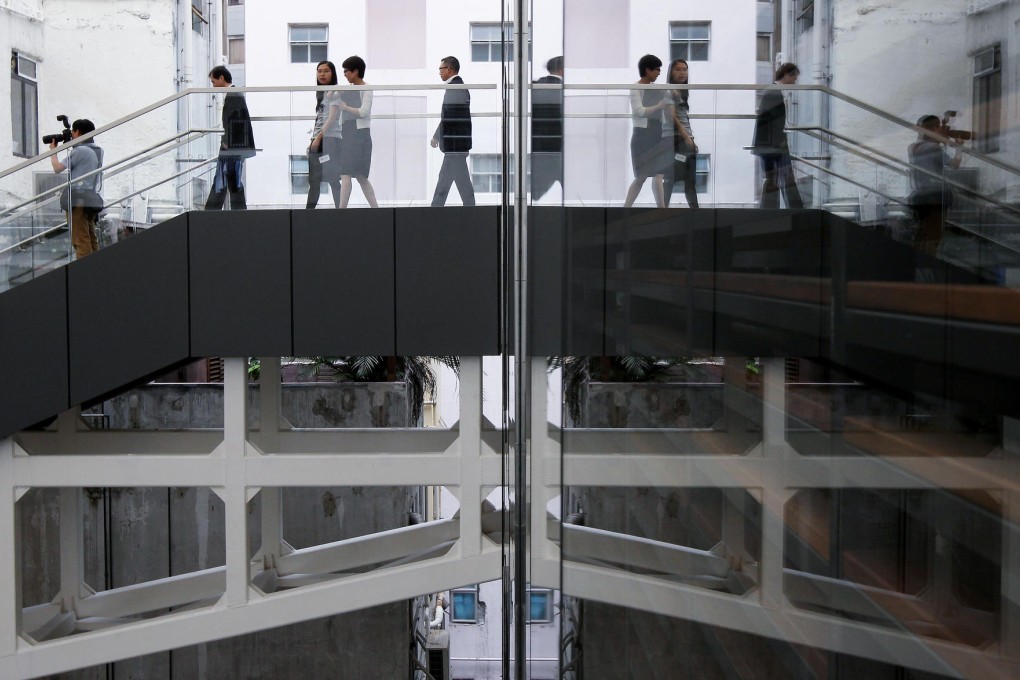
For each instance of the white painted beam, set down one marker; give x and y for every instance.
(214, 623)
(787, 624)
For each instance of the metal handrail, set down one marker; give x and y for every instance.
(219, 90)
(824, 89)
(816, 132)
(847, 179)
(906, 170)
(63, 225)
(112, 170)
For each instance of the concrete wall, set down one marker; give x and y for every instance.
(162, 406)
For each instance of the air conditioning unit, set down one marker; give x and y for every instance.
(978, 6)
(438, 649)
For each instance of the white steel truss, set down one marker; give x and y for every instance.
(282, 585)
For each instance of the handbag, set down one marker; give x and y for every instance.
(77, 196)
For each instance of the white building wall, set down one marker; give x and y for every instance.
(906, 58)
(104, 60)
(476, 649)
(998, 22)
(21, 30)
(407, 43)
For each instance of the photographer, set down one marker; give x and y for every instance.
(931, 197)
(83, 202)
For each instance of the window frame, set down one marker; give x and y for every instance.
(24, 129)
(299, 180)
(987, 99)
(487, 180)
(757, 47)
(309, 44)
(494, 47)
(683, 47)
(550, 605)
(702, 174)
(466, 590)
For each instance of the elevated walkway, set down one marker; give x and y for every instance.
(422, 281)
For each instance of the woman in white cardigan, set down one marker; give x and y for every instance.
(356, 150)
(647, 151)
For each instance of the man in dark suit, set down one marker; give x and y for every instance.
(771, 146)
(453, 137)
(547, 130)
(237, 143)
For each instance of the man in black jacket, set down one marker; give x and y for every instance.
(237, 143)
(453, 137)
(547, 130)
(771, 146)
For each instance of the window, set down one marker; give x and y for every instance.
(308, 44)
(465, 605)
(987, 99)
(235, 50)
(299, 176)
(702, 171)
(763, 47)
(805, 10)
(24, 106)
(487, 172)
(198, 20)
(540, 606)
(689, 40)
(703, 168)
(487, 45)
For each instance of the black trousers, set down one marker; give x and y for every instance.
(228, 179)
(454, 170)
(778, 169)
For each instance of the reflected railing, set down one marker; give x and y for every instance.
(849, 158)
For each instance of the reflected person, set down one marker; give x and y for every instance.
(547, 130)
(931, 198)
(237, 143)
(770, 143)
(677, 127)
(453, 137)
(356, 148)
(647, 150)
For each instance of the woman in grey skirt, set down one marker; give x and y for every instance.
(355, 117)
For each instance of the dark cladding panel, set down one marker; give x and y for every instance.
(128, 310)
(343, 282)
(33, 345)
(585, 279)
(240, 283)
(546, 285)
(651, 266)
(447, 281)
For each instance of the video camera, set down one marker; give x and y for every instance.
(64, 136)
(947, 131)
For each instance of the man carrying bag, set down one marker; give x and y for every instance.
(81, 199)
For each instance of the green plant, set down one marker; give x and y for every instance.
(579, 371)
(415, 371)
